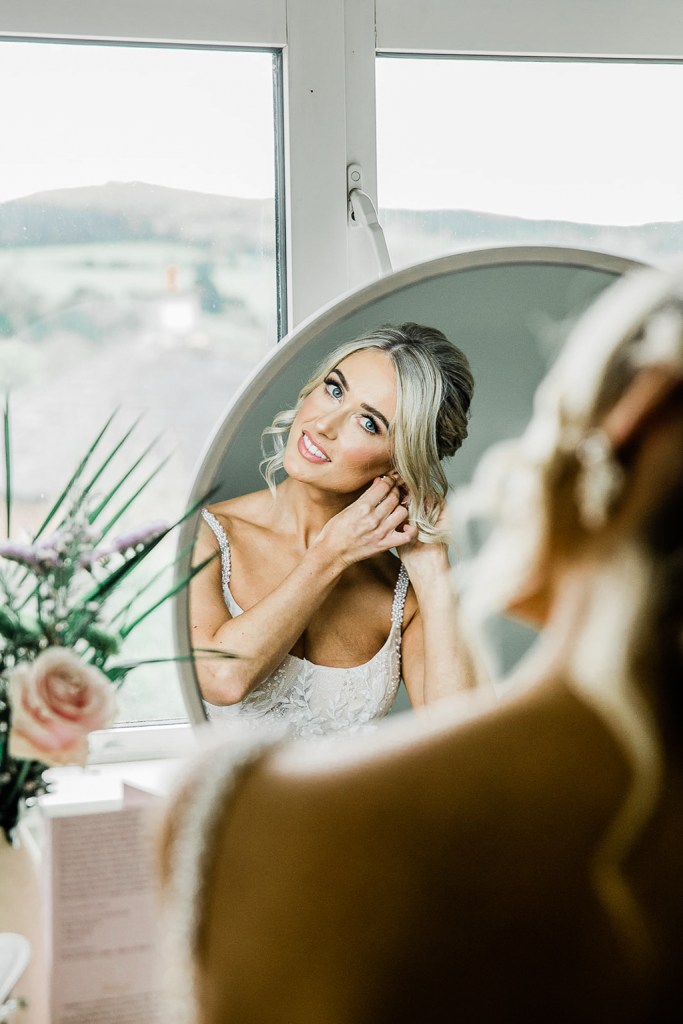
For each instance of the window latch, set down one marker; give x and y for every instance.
(362, 213)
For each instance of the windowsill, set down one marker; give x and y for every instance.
(131, 743)
(148, 758)
(76, 790)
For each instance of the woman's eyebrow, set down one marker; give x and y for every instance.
(375, 412)
(368, 408)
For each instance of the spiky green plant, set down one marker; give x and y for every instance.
(59, 589)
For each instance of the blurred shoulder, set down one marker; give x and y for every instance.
(527, 763)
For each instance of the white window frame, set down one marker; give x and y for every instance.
(329, 49)
(645, 29)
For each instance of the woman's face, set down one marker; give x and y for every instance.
(339, 439)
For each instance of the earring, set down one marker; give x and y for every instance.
(600, 479)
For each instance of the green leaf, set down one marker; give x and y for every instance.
(117, 486)
(100, 640)
(12, 628)
(199, 503)
(132, 498)
(105, 586)
(169, 593)
(203, 500)
(118, 672)
(114, 451)
(150, 583)
(76, 475)
(209, 652)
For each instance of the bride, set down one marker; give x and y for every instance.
(323, 618)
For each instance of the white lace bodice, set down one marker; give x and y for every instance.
(318, 699)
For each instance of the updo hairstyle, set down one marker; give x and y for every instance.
(652, 338)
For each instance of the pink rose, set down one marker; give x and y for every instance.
(56, 701)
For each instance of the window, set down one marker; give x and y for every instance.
(481, 152)
(138, 268)
(181, 269)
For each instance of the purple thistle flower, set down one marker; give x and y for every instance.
(22, 553)
(142, 535)
(53, 542)
(88, 558)
(49, 550)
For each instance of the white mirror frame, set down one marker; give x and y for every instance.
(277, 362)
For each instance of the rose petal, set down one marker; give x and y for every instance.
(56, 702)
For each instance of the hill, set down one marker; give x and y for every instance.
(130, 211)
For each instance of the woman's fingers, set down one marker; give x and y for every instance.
(403, 492)
(400, 532)
(385, 485)
(389, 502)
(376, 492)
(376, 522)
(391, 509)
(407, 535)
(396, 516)
(381, 487)
(379, 499)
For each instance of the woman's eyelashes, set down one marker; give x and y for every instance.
(335, 390)
(369, 424)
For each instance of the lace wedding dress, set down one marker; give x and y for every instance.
(315, 699)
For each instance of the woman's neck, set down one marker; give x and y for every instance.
(302, 510)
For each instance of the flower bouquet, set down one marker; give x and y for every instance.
(61, 628)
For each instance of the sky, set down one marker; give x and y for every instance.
(84, 115)
(579, 141)
(595, 142)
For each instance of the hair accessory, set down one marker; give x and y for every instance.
(600, 479)
(662, 339)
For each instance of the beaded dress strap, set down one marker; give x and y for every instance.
(402, 584)
(224, 544)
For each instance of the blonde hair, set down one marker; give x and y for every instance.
(527, 486)
(434, 386)
(634, 625)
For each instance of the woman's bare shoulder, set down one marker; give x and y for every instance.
(240, 519)
(534, 737)
(243, 511)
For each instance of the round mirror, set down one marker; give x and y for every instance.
(507, 309)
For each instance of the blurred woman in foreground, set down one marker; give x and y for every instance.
(520, 863)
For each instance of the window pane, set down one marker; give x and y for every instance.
(137, 270)
(475, 152)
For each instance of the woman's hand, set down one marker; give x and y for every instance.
(437, 661)
(373, 523)
(427, 563)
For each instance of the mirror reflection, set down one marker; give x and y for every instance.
(305, 585)
(321, 615)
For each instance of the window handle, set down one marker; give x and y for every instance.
(362, 212)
